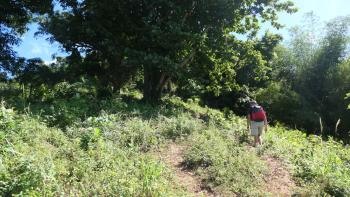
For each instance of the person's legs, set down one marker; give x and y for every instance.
(254, 132)
(260, 132)
(256, 140)
(260, 140)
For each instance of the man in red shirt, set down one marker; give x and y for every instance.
(256, 121)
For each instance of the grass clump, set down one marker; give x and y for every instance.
(179, 126)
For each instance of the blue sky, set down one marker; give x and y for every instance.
(32, 47)
(37, 46)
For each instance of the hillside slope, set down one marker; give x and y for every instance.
(115, 147)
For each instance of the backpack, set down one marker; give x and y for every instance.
(257, 113)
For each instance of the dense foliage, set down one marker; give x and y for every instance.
(166, 41)
(92, 123)
(310, 80)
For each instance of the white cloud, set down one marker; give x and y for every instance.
(50, 62)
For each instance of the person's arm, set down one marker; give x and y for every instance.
(266, 124)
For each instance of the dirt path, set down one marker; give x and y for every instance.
(173, 156)
(278, 180)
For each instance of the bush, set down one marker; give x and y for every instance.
(179, 126)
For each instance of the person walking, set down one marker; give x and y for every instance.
(256, 121)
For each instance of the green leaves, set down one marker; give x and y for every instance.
(311, 73)
(121, 38)
(14, 16)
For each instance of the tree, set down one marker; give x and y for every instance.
(14, 15)
(227, 79)
(165, 39)
(315, 80)
(321, 83)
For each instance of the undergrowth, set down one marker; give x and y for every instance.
(322, 167)
(104, 158)
(84, 147)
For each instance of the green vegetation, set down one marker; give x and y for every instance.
(96, 157)
(163, 41)
(207, 50)
(322, 166)
(225, 165)
(310, 79)
(111, 153)
(144, 74)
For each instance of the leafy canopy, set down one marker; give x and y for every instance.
(112, 40)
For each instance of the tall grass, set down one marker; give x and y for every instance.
(84, 161)
(321, 167)
(85, 147)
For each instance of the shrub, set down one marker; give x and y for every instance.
(179, 126)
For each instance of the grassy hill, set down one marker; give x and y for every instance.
(84, 147)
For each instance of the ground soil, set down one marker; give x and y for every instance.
(173, 157)
(278, 180)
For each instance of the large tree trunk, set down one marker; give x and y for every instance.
(154, 81)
